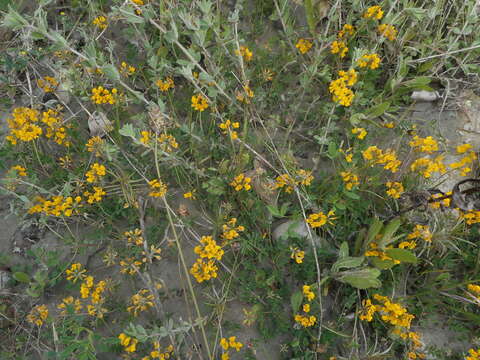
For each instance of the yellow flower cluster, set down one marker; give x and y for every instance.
(244, 52)
(394, 189)
(55, 129)
(167, 142)
(129, 344)
(134, 237)
(303, 45)
(230, 343)
(57, 206)
(100, 95)
(88, 288)
(286, 182)
(463, 164)
(227, 127)
(319, 219)
(126, 69)
(441, 203)
(375, 12)
(426, 166)
(23, 125)
(422, 232)
(471, 217)
(306, 320)
(371, 61)
(297, 255)
(38, 315)
(94, 145)
(47, 84)
(241, 182)
(377, 156)
(427, 145)
(157, 188)
(388, 31)
(474, 354)
(347, 30)
(230, 231)
(96, 196)
(340, 88)
(205, 270)
(158, 354)
(340, 48)
(141, 301)
(360, 132)
(100, 22)
(129, 265)
(246, 95)
(76, 272)
(20, 170)
(199, 102)
(68, 305)
(374, 251)
(96, 172)
(350, 179)
(166, 84)
(396, 315)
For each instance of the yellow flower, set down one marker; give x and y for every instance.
(166, 84)
(371, 61)
(96, 172)
(94, 144)
(245, 53)
(394, 189)
(146, 136)
(361, 133)
(303, 45)
(126, 69)
(190, 195)
(141, 301)
(297, 254)
(375, 12)
(48, 84)
(350, 179)
(388, 31)
(230, 230)
(347, 30)
(427, 145)
(204, 270)
(100, 95)
(421, 231)
(100, 22)
(75, 273)
(157, 188)
(241, 182)
(199, 102)
(21, 171)
(128, 343)
(463, 148)
(340, 48)
(306, 308)
(38, 315)
(319, 219)
(308, 293)
(209, 249)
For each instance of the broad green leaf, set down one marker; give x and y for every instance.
(274, 210)
(352, 195)
(343, 253)
(388, 233)
(296, 300)
(21, 277)
(362, 279)
(310, 13)
(382, 264)
(347, 263)
(378, 110)
(127, 130)
(373, 230)
(403, 255)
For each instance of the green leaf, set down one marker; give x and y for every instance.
(332, 150)
(128, 131)
(403, 255)
(374, 229)
(13, 20)
(347, 263)
(310, 13)
(296, 300)
(111, 72)
(388, 233)
(351, 195)
(378, 110)
(21, 277)
(362, 279)
(343, 252)
(274, 211)
(382, 264)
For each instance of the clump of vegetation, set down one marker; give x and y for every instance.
(237, 169)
